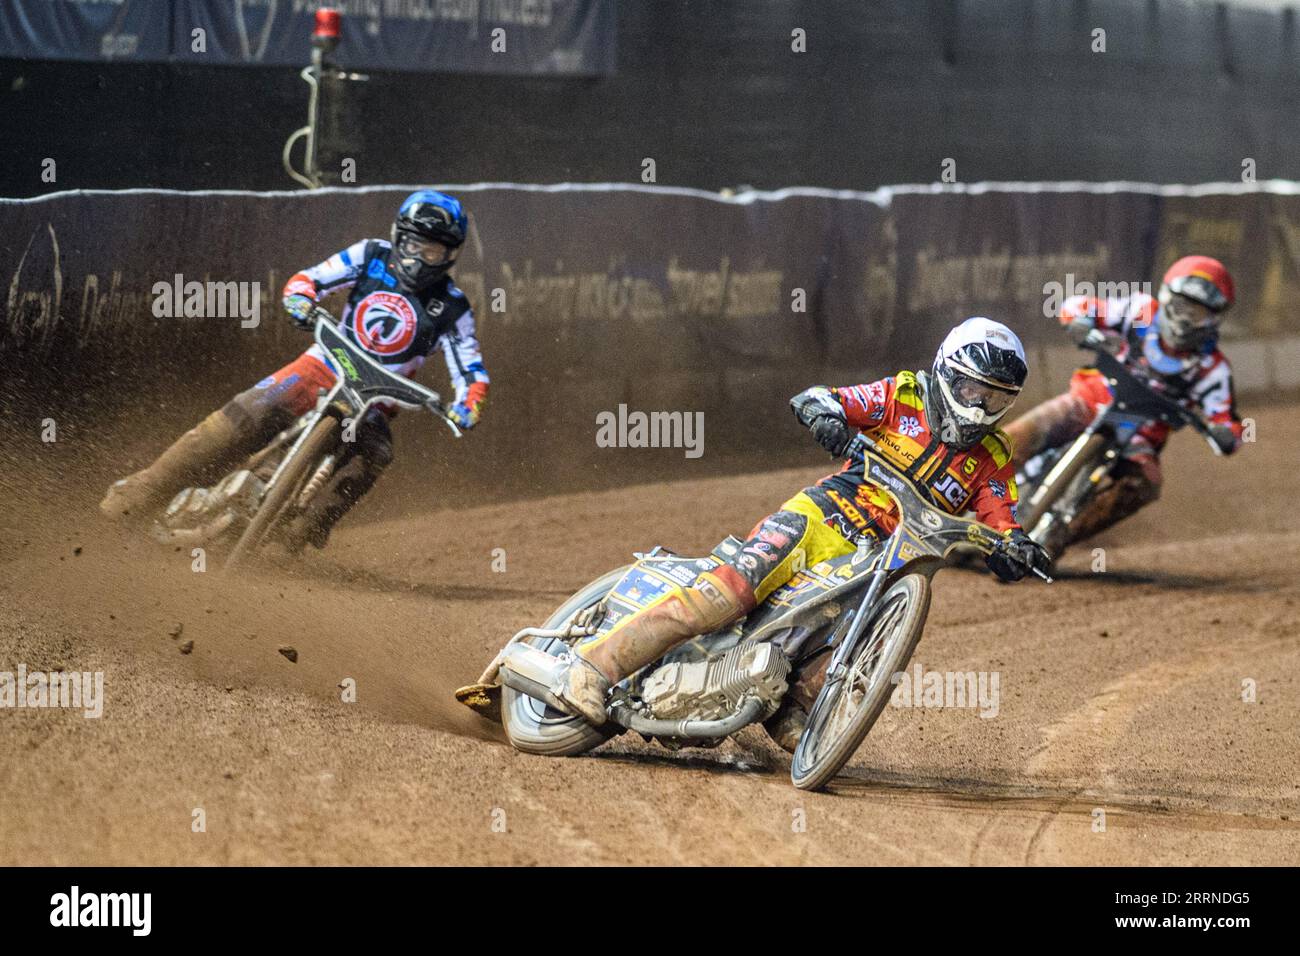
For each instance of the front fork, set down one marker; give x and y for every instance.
(843, 649)
(1062, 463)
(847, 646)
(841, 655)
(322, 408)
(1064, 511)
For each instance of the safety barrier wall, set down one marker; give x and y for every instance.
(593, 296)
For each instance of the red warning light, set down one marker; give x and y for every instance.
(329, 24)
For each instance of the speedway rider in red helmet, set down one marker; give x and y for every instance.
(1172, 340)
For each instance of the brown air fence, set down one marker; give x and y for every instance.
(592, 296)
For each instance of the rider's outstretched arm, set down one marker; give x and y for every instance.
(1112, 318)
(820, 410)
(832, 413)
(1216, 400)
(304, 289)
(862, 406)
(469, 377)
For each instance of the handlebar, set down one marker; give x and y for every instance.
(861, 444)
(1107, 362)
(321, 319)
(318, 315)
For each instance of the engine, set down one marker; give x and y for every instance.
(199, 515)
(712, 689)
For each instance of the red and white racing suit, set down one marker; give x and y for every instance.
(1202, 381)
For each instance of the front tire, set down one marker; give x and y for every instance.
(845, 710)
(321, 438)
(1087, 458)
(535, 728)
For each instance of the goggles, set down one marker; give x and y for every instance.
(973, 393)
(1190, 317)
(429, 251)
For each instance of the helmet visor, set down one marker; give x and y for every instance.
(429, 251)
(976, 394)
(1200, 290)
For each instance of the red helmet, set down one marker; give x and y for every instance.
(1193, 295)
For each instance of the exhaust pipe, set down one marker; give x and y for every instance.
(749, 712)
(531, 671)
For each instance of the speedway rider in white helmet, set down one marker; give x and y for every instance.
(940, 428)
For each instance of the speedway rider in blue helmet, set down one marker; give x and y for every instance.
(402, 305)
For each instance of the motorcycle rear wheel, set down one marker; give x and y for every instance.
(320, 439)
(846, 710)
(532, 726)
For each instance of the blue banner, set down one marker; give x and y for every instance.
(132, 30)
(560, 37)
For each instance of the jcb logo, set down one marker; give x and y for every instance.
(951, 490)
(900, 454)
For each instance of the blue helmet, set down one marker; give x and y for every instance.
(428, 232)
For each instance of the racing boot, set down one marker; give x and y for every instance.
(211, 446)
(786, 726)
(717, 598)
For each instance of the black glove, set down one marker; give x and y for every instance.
(1224, 437)
(1017, 557)
(832, 433)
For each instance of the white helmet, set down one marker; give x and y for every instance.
(977, 374)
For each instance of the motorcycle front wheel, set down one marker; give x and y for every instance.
(847, 707)
(319, 440)
(1084, 460)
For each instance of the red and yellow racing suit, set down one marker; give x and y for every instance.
(830, 517)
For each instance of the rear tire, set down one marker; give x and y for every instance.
(535, 728)
(320, 439)
(845, 711)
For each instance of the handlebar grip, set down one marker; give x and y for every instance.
(859, 444)
(1094, 338)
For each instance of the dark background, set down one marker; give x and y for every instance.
(888, 89)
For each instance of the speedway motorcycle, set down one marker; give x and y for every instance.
(1057, 485)
(252, 504)
(845, 626)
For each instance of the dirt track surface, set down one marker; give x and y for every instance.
(1120, 692)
